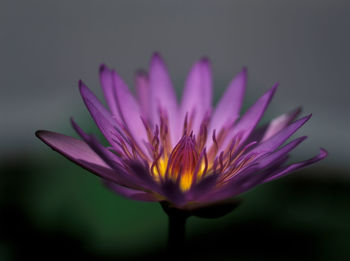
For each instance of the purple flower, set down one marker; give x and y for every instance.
(186, 154)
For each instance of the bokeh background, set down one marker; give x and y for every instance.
(52, 209)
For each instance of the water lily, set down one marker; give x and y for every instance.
(188, 154)
(184, 153)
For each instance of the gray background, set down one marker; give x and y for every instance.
(47, 46)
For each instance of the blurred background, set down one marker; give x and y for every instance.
(51, 208)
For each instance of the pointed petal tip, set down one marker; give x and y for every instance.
(72, 121)
(156, 57)
(299, 140)
(302, 138)
(303, 120)
(40, 133)
(78, 130)
(157, 60)
(275, 86)
(323, 153)
(205, 60)
(84, 90)
(270, 93)
(44, 135)
(82, 85)
(244, 72)
(103, 67)
(308, 116)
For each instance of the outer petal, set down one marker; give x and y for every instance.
(274, 126)
(134, 178)
(162, 96)
(230, 189)
(143, 93)
(78, 152)
(197, 96)
(130, 193)
(250, 119)
(286, 170)
(278, 139)
(254, 175)
(129, 109)
(254, 178)
(281, 153)
(102, 117)
(107, 84)
(280, 122)
(228, 108)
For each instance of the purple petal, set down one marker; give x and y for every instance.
(247, 182)
(228, 108)
(248, 178)
(250, 119)
(197, 95)
(107, 84)
(112, 160)
(278, 139)
(281, 153)
(270, 173)
(256, 174)
(258, 134)
(143, 93)
(231, 189)
(280, 122)
(77, 151)
(129, 110)
(130, 193)
(136, 177)
(163, 96)
(102, 117)
(286, 170)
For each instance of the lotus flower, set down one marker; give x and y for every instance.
(187, 154)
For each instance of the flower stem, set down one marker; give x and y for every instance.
(177, 228)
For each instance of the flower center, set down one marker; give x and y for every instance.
(183, 165)
(183, 161)
(188, 162)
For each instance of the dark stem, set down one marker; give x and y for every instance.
(177, 228)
